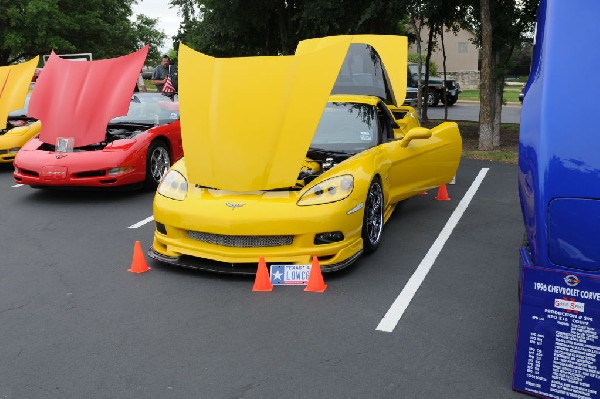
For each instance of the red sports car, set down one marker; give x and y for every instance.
(138, 149)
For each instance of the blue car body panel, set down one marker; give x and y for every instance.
(559, 150)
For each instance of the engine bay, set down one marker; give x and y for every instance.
(11, 123)
(317, 162)
(114, 132)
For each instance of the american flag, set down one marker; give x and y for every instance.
(168, 87)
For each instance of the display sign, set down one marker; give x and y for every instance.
(558, 347)
(72, 57)
(289, 274)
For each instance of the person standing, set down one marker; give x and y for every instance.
(140, 85)
(162, 71)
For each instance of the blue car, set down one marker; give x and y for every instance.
(556, 354)
(559, 150)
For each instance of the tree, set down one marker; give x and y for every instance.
(272, 27)
(27, 26)
(101, 27)
(486, 82)
(506, 24)
(438, 17)
(145, 32)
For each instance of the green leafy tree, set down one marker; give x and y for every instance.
(271, 27)
(433, 68)
(145, 31)
(101, 27)
(502, 26)
(439, 18)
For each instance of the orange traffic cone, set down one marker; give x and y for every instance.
(262, 282)
(315, 279)
(442, 194)
(423, 193)
(138, 263)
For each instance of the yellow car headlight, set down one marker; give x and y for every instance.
(330, 190)
(173, 186)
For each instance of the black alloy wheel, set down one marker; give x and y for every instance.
(373, 217)
(433, 99)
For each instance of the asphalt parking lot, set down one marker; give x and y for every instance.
(74, 323)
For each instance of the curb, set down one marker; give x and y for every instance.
(511, 103)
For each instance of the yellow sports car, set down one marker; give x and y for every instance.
(297, 156)
(20, 129)
(15, 127)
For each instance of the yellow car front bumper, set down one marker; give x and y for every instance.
(268, 224)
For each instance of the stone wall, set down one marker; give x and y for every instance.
(468, 80)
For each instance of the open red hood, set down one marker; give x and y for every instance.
(78, 98)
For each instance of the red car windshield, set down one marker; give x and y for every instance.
(150, 108)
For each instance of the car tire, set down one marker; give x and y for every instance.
(433, 98)
(373, 217)
(452, 100)
(158, 161)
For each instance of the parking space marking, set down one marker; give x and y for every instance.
(141, 223)
(17, 185)
(395, 312)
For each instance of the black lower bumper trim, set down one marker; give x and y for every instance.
(192, 262)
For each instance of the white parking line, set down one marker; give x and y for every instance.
(395, 312)
(143, 222)
(17, 185)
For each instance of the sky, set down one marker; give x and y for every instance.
(168, 20)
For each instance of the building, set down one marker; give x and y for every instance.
(461, 56)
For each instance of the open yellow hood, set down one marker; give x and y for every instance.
(246, 123)
(14, 83)
(393, 51)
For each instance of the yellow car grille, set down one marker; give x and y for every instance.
(241, 241)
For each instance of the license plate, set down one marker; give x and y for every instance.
(54, 172)
(290, 274)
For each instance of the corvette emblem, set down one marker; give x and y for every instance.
(233, 206)
(572, 280)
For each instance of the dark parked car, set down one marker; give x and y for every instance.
(147, 72)
(522, 94)
(436, 86)
(411, 96)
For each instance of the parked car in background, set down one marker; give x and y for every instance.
(436, 86)
(138, 149)
(15, 126)
(19, 130)
(522, 94)
(411, 98)
(147, 72)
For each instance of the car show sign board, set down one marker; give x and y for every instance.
(72, 57)
(558, 346)
(290, 274)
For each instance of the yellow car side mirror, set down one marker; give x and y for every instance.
(414, 134)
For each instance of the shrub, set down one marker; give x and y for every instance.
(433, 68)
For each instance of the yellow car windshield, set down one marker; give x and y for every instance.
(21, 113)
(346, 127)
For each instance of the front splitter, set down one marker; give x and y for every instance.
(191, 262)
